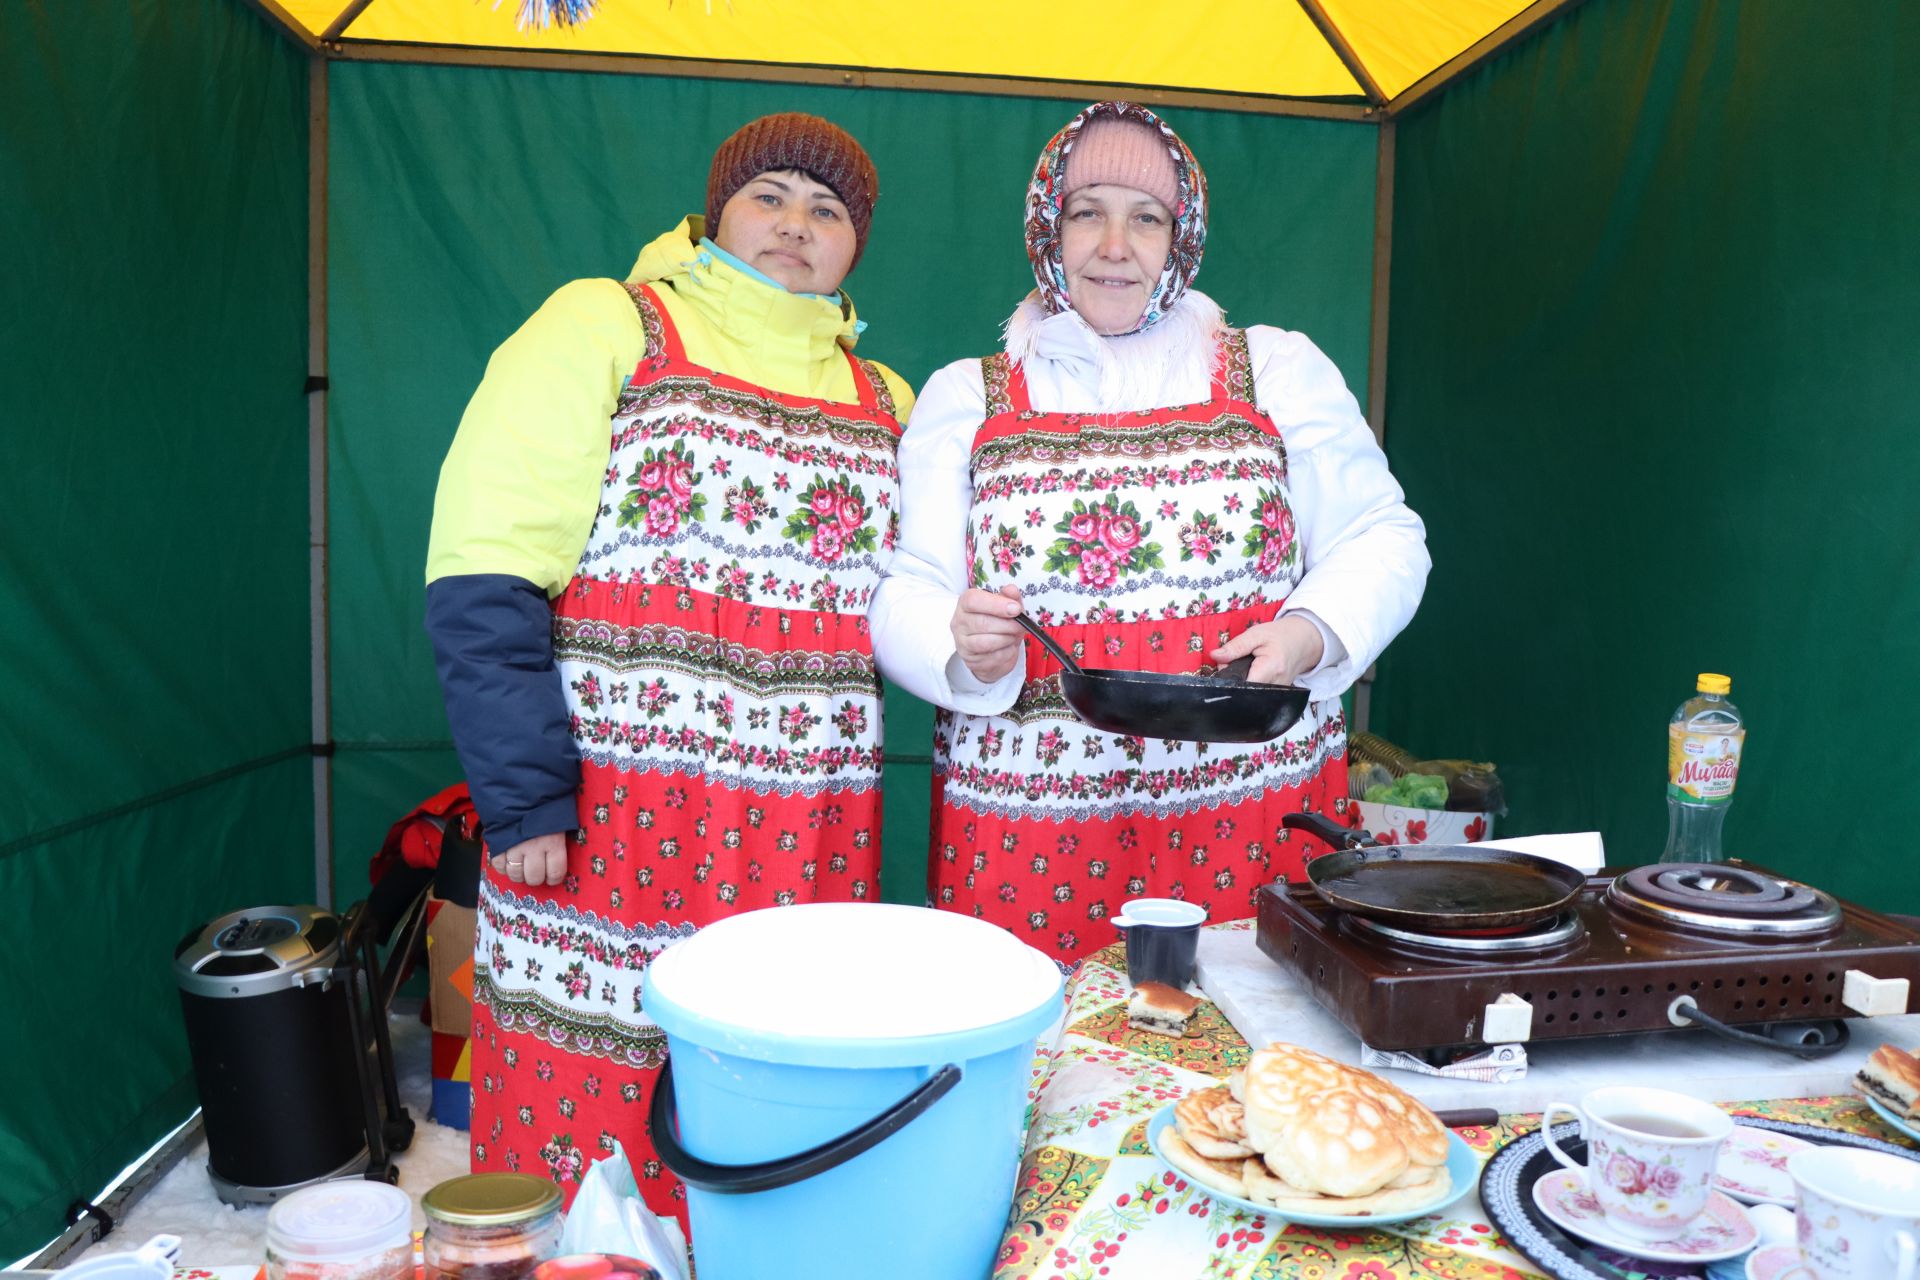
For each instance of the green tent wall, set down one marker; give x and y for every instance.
(1652, 318)
(1652, 383)
(153, 582)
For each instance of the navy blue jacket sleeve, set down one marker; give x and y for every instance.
(493, 645)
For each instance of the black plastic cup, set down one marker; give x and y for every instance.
(1163, 935)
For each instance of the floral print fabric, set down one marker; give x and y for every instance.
(1043, 213)
(725, 704)
(1142, 541)
(1092, 1202)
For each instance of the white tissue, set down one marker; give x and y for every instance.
(1498, 1064)
(608, 1216)
(1582, 850)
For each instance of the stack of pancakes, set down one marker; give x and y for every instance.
(1297, 1130)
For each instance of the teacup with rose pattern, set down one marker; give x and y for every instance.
(1857, 1215)
(1650, 1156)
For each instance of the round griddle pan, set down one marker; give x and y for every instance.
(1161, 704)
(1435, 887)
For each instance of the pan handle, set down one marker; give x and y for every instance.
(1047, 642)
(1327, 829)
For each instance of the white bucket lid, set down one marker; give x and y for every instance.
(852, 971)
(340, 1221)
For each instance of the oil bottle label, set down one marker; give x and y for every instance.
(1702, 767)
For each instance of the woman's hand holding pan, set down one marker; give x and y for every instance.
(1283, 650)
(988, 638)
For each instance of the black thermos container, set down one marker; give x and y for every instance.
(273, 1054)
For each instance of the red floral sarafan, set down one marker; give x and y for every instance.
(831, 520)
(1102, 543)
(1143, 541)
(661, 492)
(725, 704)
(1270, 540)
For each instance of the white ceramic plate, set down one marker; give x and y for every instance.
(1462, 1167)
(1753, 1166)
(1723, 1230)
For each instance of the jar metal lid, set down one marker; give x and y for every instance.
(340, 1221)
(491, 1199)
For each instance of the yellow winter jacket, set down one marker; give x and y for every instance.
(521, 484)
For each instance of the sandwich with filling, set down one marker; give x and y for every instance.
(1892, 1076)
(1161, 1009)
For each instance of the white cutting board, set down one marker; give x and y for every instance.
(1265, 1003)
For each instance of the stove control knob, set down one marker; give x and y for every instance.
(1872, 997)
(1508, 1020)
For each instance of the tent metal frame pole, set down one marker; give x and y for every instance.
(287, 24)
(1382, 282)
(1348, 55)
(349, 50)
(343, 20)
(90, 1228)
(1480, 51)
(1377, 348)
(319, 599)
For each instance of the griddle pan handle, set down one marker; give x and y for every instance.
(1328, 830)
(1048, 643)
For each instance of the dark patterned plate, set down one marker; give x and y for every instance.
(1506, 1191)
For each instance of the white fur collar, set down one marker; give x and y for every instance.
(1135, 371)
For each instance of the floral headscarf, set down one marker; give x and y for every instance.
(1043, 214)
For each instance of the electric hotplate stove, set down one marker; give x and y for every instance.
(1653, 948)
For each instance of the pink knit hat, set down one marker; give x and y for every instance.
(1127, 153)
(1047, 193)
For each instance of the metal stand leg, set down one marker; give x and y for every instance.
(369, 994)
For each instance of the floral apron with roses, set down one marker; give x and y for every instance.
(1142, 541)
(725, 703)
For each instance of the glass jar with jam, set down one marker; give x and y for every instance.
(347, 1230)
(490, 1226)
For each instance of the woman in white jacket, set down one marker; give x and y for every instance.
(1161, 491)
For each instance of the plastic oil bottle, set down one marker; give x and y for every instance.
(1704, 740)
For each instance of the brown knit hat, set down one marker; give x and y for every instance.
(795, 140)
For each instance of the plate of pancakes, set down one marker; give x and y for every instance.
(1298, 1136)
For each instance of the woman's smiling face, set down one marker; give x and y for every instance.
(791, 228)
(1114, 243)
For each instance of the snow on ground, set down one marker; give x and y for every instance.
(214, 1235)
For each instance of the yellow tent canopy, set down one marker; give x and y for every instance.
(1356, 59)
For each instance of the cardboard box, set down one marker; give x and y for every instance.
(450, 931)
(1397, 824)
(452, 1103)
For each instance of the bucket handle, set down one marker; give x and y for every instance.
(735, 1179)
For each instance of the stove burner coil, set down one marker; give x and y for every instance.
(1720, 898)
(1560, 929)
(1717, 888)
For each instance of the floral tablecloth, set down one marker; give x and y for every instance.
(1094, 1203)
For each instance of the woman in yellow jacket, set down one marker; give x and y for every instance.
(654, 542)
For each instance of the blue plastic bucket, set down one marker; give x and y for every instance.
(846, 1088)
